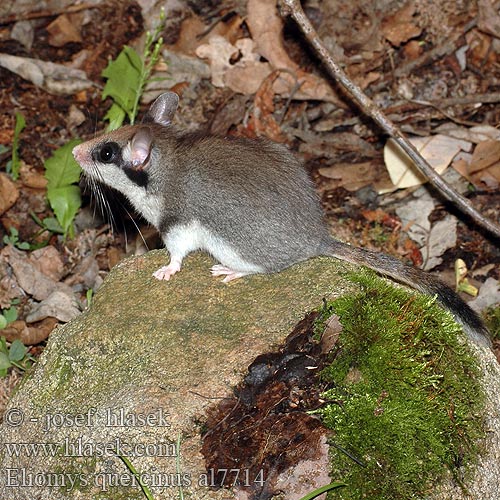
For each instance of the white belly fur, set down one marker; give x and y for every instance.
(184, 239)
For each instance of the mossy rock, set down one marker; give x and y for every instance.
(143, 364)
(407, 390)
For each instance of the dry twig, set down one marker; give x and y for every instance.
(294, 9)
(445, 102)
(38, 14)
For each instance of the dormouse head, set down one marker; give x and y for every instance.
(124, 155)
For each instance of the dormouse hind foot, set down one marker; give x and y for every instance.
(219, 270)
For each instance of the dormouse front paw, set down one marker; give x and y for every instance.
(166, 272)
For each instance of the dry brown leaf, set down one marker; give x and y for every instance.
(6, 135)
(8, 193)
(331, 333)
(16, 330)
(229, 114)
(462, 167)
(86, 272)
(9, 289)
(29, 335)
(412, 251)
(305, 86)
(329, 145)
(48, 261)
(442, 236)
(41, 330)
(382, 217)
(247, 79)
(193, 27)
(262, 119)
(31, 178)
(367, 79)
(30, 279)
(247, 74)
(480, 52)
(188, 40)
(57, 305)
(482, 168)
(438, 150)
(219, 52)
(413, 49)
(114, 256)
(244, 76)
(62, 31)
(266, 26)
(230, 30)
(486, 154)
(400, 28)
(476, 134)
(488, 19)
(75, 117)
(489, 177)
(353, 176)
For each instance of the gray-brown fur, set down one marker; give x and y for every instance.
(244, 191)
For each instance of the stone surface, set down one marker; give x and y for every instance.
(146, 347)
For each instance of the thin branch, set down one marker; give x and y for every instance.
(38, 14)
(293, 8)
(445, 102)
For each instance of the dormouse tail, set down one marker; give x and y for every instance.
(417, 279)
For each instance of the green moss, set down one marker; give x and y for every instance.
(407, 399)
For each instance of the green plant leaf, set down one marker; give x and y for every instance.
(18, 128)
(51, 224)
(10, 314)
(4, 361)
(23, 245)
(128, 75)
(142, 484)
(65, 201)
(61, 169)
(89, 296)
(17, 351)
(3, 321)
(124, 76)
(115, 116)
(316, 493)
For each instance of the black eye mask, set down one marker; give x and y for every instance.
(137, 176)
(110, 153)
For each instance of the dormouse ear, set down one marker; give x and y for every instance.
(163, 109)
(140, 148)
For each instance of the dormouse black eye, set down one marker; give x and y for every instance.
(108, 152)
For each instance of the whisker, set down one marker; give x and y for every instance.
(137, 227)
(95, 181)
(100, 201)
